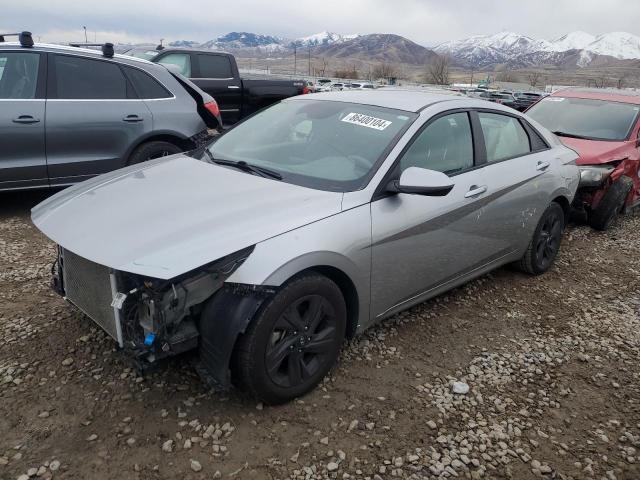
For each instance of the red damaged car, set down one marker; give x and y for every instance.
(603, 127)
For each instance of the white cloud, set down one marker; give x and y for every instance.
(424, 21)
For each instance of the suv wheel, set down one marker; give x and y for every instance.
(151, 150)
(611, 204)
(293, 342)
(545, 243)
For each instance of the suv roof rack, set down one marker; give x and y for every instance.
(25, 38)
(107, 48)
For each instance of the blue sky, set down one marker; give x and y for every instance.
(428, 22)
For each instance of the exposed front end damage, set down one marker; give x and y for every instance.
(149, 318)
(597, 179)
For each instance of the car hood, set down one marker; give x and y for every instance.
(168, 216)
(594, 152)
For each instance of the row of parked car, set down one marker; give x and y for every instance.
(267, 246)
(327, 85)
(70, 113)
(517, 100)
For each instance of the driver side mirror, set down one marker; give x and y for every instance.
(420, 181)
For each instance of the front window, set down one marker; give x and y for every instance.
(18, 75)
(335, 146)
(179, 60)
(446, 145)
(585, 118)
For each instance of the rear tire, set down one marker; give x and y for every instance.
(545, 243)
(611, 204)
(293, 341)
(151, 150)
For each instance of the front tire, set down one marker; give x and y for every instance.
(293, 342)
(545, 243)
(611, 204)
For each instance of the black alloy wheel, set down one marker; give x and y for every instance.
(293, 341)
(301, 341)
(548, 242)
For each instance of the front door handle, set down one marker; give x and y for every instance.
(542, 166)
(133, 119)
(475, 190)
(26, 119)
(233, 87)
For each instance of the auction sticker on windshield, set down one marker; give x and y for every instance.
(367, 121)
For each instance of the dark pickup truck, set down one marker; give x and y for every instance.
(217, 74)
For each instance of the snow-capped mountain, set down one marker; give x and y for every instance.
(515, 49)
(481, 50)
(245, 40)
(322, 38)
(184, 43)
(616, 44)
(571, 41)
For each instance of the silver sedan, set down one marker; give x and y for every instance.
(305, 225)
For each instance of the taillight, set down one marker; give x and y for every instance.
(305, 90)
(213, 108)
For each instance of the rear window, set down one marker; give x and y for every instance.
(504, 136)
(84, 78)
(214, 66)
(145, 85)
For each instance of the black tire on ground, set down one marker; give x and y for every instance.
(151, 150)
(545, 243)
(293, 341)
(611, 204)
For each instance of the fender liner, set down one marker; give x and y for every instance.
(225, 316)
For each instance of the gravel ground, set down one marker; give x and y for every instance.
(550, 364)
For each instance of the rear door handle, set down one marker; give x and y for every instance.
(133, 118)
(542, 166)
(26, 119)
(233, 87)
(475, 190)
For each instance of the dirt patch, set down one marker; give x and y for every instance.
(551, 362)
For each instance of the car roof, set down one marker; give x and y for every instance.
(408, 100)
(192, 50)
(607, 94)
(48, 47)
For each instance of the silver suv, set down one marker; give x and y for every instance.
(68, 114)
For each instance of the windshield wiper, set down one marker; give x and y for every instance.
(570, 135)
(245, 167)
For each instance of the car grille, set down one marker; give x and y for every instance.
(88, 286)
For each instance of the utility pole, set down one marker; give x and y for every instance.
(85, 34)
(471, 82)
(309, 61)
(295, 59)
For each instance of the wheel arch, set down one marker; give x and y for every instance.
(348, 289)
(564, 202)
(175, 138)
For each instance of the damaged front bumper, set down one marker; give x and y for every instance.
(149, 318)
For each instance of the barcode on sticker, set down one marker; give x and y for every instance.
(366, 121)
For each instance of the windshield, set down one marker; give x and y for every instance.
(585, 118)
(335, 146)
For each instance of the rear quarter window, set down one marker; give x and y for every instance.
(145, 85)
